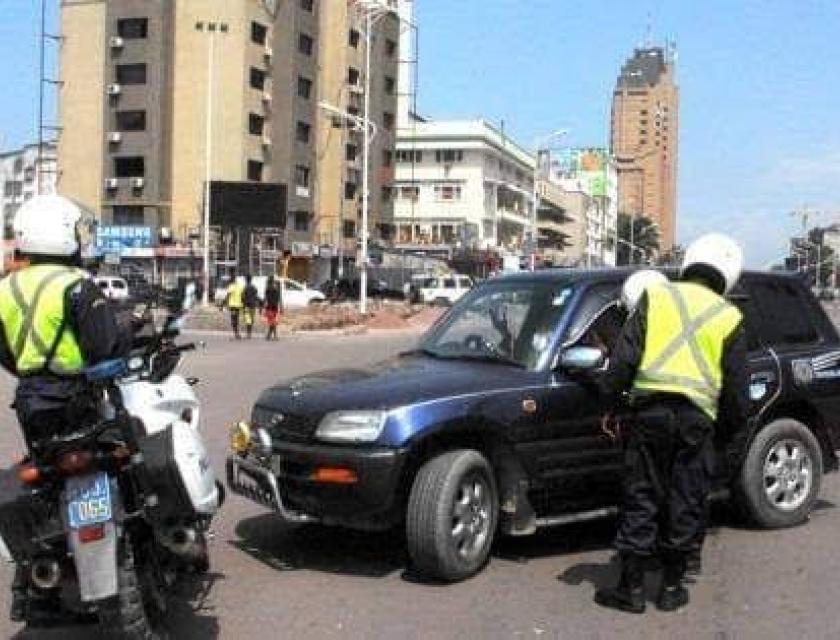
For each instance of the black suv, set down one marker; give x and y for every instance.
(428, 438)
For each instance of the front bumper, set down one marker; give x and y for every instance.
(285, 484)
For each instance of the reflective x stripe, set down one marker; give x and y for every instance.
(688, 337)
(27, 326)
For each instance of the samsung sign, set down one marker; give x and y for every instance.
(118, 239)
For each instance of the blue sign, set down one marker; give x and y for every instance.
(116, 238)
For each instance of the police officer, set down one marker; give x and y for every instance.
(681, 357)
(54, 322)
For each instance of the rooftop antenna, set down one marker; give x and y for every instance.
(649, 31)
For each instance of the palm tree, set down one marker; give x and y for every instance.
(645, 236)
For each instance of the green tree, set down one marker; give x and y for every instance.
(645, 235)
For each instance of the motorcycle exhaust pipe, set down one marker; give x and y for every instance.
(45, 574)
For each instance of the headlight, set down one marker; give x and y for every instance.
(240, 438)
(351, 426)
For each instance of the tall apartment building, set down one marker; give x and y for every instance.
(24, 173)
(645, 138)
(142, 80)
(341, 86)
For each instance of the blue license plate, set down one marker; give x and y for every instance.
(88, 500)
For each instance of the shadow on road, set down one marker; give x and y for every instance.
(190, 616)
(316, 548)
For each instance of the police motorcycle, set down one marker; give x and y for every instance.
(102, 521)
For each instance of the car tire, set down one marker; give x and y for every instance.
(781, 476)
(452, 515)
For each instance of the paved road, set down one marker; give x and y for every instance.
(271, 581)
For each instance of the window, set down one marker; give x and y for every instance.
(131, 73)
(783, 318)
(447, 192)
(350, 152)
(453, 155)
(131, 120)
(255, 170)
(388, 120)
(305, 44)
(387, 158)
(349, 229)
(302, 176)
(307, 5)
(129, 167)
(301, 220)
(304, 87)
(302, 132)
(410, 193)
(390, 48)
(13, 188)
(133, 28)
(349, 190)
(354, 38)
(256, 123)
(259, 33)
(409, 155)
(257, 78)
(128, 216)
(389, 85)
(353, 76)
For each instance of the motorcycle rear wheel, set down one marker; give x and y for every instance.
(125, 616)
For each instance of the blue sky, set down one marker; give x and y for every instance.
(760, 112)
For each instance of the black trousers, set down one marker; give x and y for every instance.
(668, 476)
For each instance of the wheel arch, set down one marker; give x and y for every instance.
(808, 415)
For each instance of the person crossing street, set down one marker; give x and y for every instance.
(235, 303)
(681, 358)
(250, 302)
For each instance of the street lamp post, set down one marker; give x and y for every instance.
(212, 28)
(539, 144)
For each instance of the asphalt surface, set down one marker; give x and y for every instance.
(273, 581)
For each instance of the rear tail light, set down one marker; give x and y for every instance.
(91, 533)
(73, 462)
(29, 474)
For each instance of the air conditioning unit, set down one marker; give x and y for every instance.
(357, 89)
(268, 53)
(115, 137)
(111, 184)
(266, 97)
(116, 42)
(266, 141)
(114, 89)
(137, 183)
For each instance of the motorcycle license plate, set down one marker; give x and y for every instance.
(88, 500)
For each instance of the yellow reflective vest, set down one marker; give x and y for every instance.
(234, 295)
(34, 316)
(687, 329)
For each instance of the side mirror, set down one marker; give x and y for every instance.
(582, 359)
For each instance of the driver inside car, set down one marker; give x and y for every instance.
(54, 322)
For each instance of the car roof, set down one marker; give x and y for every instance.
(610, 274)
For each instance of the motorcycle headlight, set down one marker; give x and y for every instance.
(240, 438)
(351, 426)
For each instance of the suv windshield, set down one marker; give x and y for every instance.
(506, 322)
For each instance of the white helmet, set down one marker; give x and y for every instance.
(636, 285)
(54, 226)
(718, 253)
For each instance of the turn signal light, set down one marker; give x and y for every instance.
(29, 474)
(334, 475)
(91, 533)
(74, 462)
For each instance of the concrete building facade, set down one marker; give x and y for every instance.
(24, 173)
(645, 138)
(142, 81)
(461, 184)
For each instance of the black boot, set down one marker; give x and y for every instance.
(18, 608)
(673, 595)
(518, 516)
(629, 595)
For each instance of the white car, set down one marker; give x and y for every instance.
(444, 289)
(294, 293)
(112, 288)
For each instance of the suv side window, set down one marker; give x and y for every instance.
(784, 317)
(741, 298)
(595, 299)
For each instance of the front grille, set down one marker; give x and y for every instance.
(284, 426)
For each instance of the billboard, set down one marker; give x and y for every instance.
(116, 239)
(247, 204)
(589, 166)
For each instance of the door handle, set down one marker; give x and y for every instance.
(763, 377)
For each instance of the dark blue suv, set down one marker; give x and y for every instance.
(497, 398)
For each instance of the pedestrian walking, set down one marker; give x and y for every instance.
(681, 357)
(250, 302)
(273, 306)
(234, 303)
